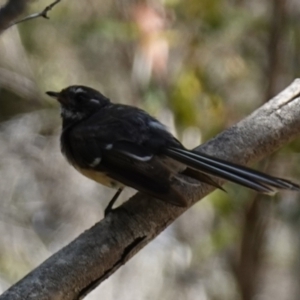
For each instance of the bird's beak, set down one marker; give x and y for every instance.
(54, 95)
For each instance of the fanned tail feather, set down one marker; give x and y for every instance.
(229, 171)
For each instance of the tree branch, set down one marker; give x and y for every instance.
(43, 14)
(14, 8)
(10, 11)
(78, 268)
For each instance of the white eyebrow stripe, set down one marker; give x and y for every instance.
(79, 90)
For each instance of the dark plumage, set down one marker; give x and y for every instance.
(119, 145)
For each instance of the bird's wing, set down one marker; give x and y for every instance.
(112, 146)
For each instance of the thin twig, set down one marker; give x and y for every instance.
(10, 12)
(43, 14)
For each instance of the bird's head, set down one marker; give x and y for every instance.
(78, 102)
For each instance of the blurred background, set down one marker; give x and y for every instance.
(199, 67)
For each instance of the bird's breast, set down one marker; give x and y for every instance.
(100, 177)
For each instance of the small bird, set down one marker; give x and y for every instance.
(120, 145)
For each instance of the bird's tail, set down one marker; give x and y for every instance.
(255, 180)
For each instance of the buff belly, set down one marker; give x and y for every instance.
(101, 178)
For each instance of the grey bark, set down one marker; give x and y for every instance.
(97, 253)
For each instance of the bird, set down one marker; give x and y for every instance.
(120, 145)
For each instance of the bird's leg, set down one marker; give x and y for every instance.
(108, 208)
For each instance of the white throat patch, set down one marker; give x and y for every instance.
(68, 114)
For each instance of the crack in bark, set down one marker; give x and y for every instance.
(124, 257)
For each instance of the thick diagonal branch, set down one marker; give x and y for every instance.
(79, 267)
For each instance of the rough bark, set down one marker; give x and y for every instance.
(97, 253)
